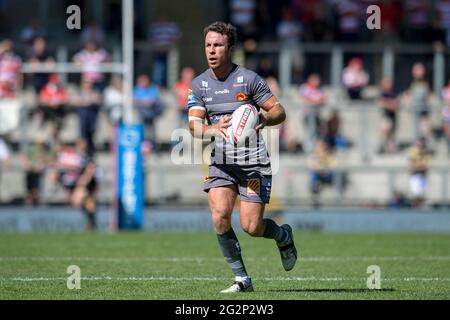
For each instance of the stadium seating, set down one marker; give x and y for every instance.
(165, 182)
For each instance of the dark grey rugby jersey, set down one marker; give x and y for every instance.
(221, 97)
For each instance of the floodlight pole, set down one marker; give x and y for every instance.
(128, 63)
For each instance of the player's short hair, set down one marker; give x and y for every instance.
(223, 28)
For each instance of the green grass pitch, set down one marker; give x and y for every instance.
(134, 265)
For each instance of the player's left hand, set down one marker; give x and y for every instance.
(262, 121)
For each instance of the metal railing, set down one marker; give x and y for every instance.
(394, 174)
(291, 184)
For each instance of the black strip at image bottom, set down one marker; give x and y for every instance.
(223, 309)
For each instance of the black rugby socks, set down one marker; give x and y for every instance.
(229, 244)
(274, 231)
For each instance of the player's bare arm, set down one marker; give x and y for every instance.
(274, 113)
(201, 130)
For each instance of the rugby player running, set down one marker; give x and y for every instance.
(214, 95)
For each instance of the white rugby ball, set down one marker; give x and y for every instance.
(243, 122)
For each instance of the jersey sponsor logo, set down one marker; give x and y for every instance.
(224, 91)
(253, 187)
(204, 86)
(207, 99)
(240, 96)
(240, 82)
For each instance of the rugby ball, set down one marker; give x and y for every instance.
(243, 122)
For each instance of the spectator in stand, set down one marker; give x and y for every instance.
(163, 34)
(390, 19)
(268, 15)
(243, 15)
(398, 201)
(307, 10)
(286, 133)
(446, 126)
(313, 98)
(182, 92)
(419, 162)
(322, 165)
(34, 160)
(417, 14)
(114, 29)
(38, 55)
(87, 103)
(418, 96)
(289, 33)
(350, 22)
(446, 114)
(148, 103)
(33, 31)
(53, 99)
(319, 29)
(390, 103)
(92, 33)
(316, 18)
(91, 58)
(76, 172)
(265, 67)
(331, 132)
(113, 100)
(10, 84)
(442, 12)
(10, 71)
(355, 78)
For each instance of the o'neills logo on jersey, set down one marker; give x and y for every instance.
(243, 121)
(224, 91)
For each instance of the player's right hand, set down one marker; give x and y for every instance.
(220, 127)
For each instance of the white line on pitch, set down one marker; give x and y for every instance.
(143, 279)
(203, 259)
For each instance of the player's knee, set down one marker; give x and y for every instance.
(252, 229)
(221, 221)
(220, 214)
(221, 226)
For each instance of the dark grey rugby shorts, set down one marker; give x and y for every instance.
(252, 185)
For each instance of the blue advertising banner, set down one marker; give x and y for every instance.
(130, 176)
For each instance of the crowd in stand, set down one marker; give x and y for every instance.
(323, 134)
(72, 163)
(308, 20)
(340, 20)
